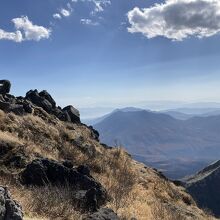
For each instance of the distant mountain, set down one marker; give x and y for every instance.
(204, 188)
(162, 140)
(196, 111)
(178, 115)
(93, 121)
(187, 113)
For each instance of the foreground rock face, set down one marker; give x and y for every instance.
(22, 105)
(90, 193)
(103, 214)
(204, 188)
(9, 209)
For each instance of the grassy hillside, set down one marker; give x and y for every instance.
(134, 190)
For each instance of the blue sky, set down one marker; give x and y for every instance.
(112, 53)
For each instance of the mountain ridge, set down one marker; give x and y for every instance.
(204, 187)
(156, 134)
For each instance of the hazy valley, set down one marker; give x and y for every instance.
(176, 147)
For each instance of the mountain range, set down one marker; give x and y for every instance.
(176, 147)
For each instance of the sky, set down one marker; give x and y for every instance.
(91, 53)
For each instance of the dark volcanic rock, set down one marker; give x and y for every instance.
(204, 188)
(9, 209)
(73, 113)
(39, 101)
(103, 214)
(44, 94)
(20, 105)
(5, 86)
(68, 164)
(94, 133)
(43, 171)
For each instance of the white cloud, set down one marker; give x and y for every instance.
(100, 5)
(86, 21)
(177, 19)
(13, 36)
(57, 16)
(65, 12)
(31, 31)
(25, 30)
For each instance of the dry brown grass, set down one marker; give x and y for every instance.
(134, 190)
(49, 202)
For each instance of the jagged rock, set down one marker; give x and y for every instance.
(9, 209)
(91, 199)
(48, 97)
(103, 214)
(33, 98)
(68, 164)
(73, 113)
(83, 170)
(45, 101)
(5, 86)
(39, 101)
(18, 161)
(94, 133)
(43, 171)
(4, 106)
(1, 98)
(63, 116)
(8, 107)
(17, 109)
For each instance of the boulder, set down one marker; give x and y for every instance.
(41, 172)
(103, 214)
(73, 113)
(9, 209)
(44, 94)
(5, 86)
(10, 107)
(39, 101)
(68, 164)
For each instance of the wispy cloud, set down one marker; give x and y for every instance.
(99, 5)
(87, 21)
(64, 12)
(25, 30)
(57, 16)
(177, 19)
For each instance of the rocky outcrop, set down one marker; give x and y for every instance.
(88, 192)
(5, 86)
(72, 113)
(204, 188)
(45, 101)
(9, 209)
(103, 214)
(23, 105)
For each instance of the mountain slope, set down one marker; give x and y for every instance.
(157, 137)
(204, 187)
(36, 147)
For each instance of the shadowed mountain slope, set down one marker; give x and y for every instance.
(204, 187)
(158, 137)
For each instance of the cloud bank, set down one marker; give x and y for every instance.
(177, 19)
(25, 31)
